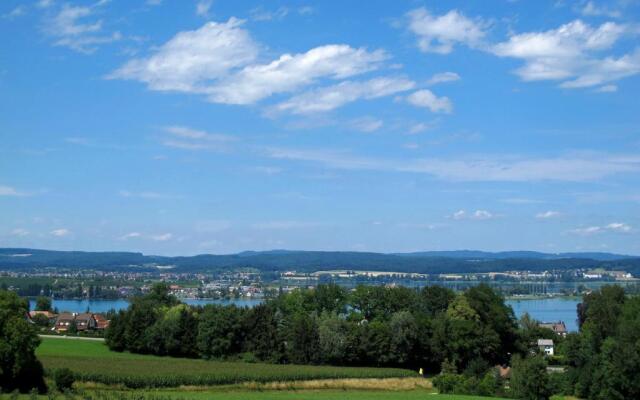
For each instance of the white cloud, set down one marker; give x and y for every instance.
(146, 195)
(571, 54)
(439, 34)
(419, 127)
(162, 237)
(548, 214)
(291, 72)
(60, 232)
(131, 235)
(615, 227)
(71, 28)
(443, 77)
(10, 191)
(569, 168)
(44, 3)
(15, 12)
(618, 227)
(366, 124)
(218, 61)
(458, 215)
(478, 215)
(425, 98)
(260, 14)
(192, 59)
(607, 89)
(591, 9)
(331, 97)
(186, 138)
(203, 7)
(284, 225)
(20, 232)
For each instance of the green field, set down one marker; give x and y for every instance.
(92, 361)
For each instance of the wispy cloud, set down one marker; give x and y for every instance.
(20, 232)
(366, 124)
(77, 28)
(203, 7)
(592, 9)
(60, 232)
(443, 77)
(147, 195)
(11, 191)
(162, 237)
(15, 12)
(548, 214)
(185, 138)
(260, 14)
(286, 225)
(615, 227)
(573, 168)
(130, 235)
(331, 97)
(477, 215)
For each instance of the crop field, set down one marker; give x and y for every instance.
(92, 361)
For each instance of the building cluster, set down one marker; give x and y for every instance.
(65, 322)
(546, 346)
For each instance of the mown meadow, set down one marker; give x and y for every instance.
(92, 361)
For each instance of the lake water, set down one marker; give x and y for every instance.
(100, 306)
(548, 310)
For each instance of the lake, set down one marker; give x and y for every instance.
(100, 306)
(548, 310)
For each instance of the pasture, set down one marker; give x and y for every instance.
(92, 361)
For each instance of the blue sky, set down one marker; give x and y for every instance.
(186, 127)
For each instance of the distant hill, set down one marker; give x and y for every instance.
(435, 262)
(484, 255)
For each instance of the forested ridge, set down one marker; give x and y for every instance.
(312, 261)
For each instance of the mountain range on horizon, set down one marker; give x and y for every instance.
(430, 262)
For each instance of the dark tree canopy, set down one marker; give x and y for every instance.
(19, 367)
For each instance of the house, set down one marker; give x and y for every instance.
(101, 322)
(64, 322)
(48, 314)
(546, 346)
(85, 321)
(559, 328)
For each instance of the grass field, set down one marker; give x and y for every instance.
(93, 362)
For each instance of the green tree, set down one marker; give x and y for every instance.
(219, 331)
(43, 303)
(333, 337)
(19, 367)
(529, 378)
(64, 379)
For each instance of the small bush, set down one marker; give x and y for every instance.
(63, 378)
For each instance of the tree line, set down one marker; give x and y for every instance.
(370, 326)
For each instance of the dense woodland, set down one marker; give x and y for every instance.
(459, 337)
(372, 326)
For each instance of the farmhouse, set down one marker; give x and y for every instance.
(83, 322)
(546, 346)
(48, 314)
(64, 322)
(559, 328)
